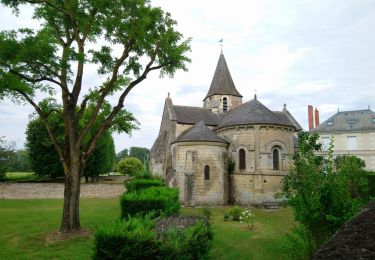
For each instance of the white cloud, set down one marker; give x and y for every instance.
(294, 52)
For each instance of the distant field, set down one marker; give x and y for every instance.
(25, 225)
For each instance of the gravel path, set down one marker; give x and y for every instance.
(56, 190)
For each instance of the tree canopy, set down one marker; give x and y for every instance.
(124, 40)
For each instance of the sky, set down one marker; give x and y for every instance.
(298, 53)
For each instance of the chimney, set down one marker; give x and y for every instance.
(311, 116)
(316, 118)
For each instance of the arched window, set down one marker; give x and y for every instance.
(206, 172)
(225, 105)
(242, 159)
(275, 159)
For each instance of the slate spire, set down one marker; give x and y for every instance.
(222, 83)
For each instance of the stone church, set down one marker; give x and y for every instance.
(196, 145)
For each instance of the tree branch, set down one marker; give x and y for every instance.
(46, 124)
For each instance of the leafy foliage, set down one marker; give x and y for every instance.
(235, 213)
(43, 157)
(46, 162)
(6, 151)
(130, 239)
(19, 162)
(135, 238)
(130, 166)
(323, 196)
(137, 185)
(192, 242)
(158, 199)
(124, 40)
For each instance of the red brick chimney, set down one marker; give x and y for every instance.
(311, 116)
(316, 115)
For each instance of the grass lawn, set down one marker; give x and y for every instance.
(21, 176)
(24, 225)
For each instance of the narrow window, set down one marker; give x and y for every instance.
(352, 142)
(207, 172)
(275, 158)
(242, 159)
(225, 105)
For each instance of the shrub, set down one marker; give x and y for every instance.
(235, 213)
(136, 185)
(135, 238)
(371, 183)
(207, 212)
(158, 199)
(130, 239)
(131, 166)
(192, 242)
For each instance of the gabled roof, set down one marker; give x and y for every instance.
(192, 115)
(199, 133)
(222, 83)
(357, 120)
(253, 112)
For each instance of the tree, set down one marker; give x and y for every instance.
(131, 166)
(321, 194)
(122, 155)
(6, 151)
(125, 39)
(102, 159)
(45, 160)
(19, 161)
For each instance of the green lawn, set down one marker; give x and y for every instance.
(24, 225)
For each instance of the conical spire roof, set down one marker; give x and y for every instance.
(199, 133)
(222, 83)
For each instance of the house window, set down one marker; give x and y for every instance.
(373, 120)
(242, 159)
(275, 159)
(329, 123)
(325, 141)
(207, 172)
(352, 142)
(225, 105)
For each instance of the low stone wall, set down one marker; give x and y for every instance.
(56, 190)
(354, 240)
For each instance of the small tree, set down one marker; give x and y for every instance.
(131, 166)
(320, 194)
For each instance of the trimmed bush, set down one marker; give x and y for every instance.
(136, 185)
(130, 239)
(130, 166)
(158, 199)
(136, 238)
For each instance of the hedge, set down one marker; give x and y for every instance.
(130, 239)
(136, 185)
(158, 199)
(135, 238)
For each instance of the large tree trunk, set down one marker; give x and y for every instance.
(70, 218)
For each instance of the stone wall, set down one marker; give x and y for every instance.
(190, 160)
(255, 189)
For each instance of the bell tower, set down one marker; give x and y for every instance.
(222, 95)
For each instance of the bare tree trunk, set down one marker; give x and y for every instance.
(70, 218)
